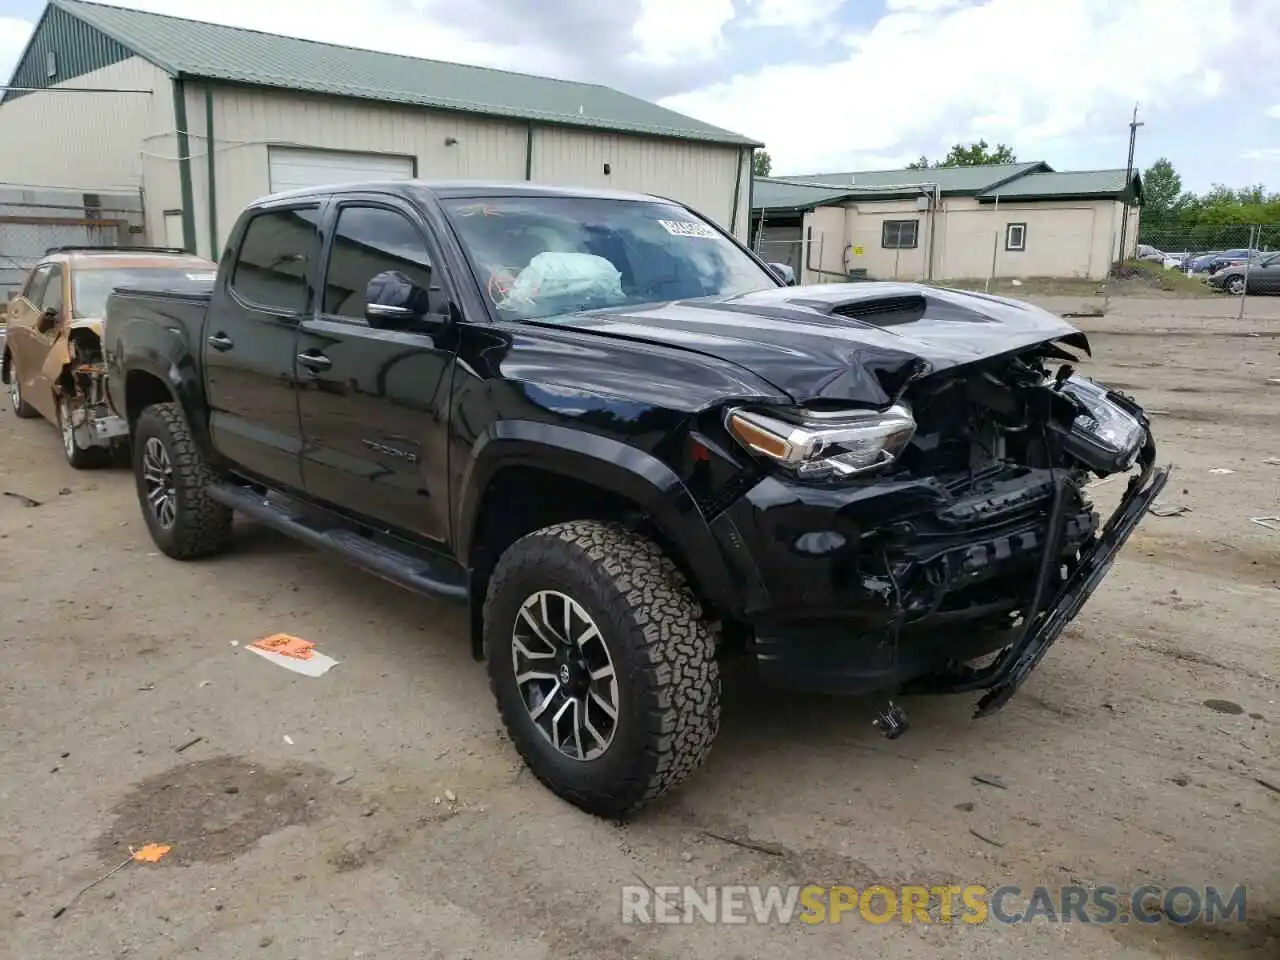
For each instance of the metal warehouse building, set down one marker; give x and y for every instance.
(200, 119)
(950, 223)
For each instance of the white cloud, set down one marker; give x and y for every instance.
(1033, 72)
(1273, 111)
(791, 14)
(669, 31)
(1261, 154)
(13, 38)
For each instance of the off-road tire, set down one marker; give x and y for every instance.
(662, 647)
(202, 526)
(80, 458)
(21, 409)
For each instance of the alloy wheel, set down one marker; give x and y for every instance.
(1236, 286)
(15, 390)
(565, 675)
(68, 428)
(157, 477)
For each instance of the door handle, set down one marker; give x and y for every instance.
(220, 341)
(315, 361)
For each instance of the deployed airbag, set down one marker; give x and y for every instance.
(554, 274)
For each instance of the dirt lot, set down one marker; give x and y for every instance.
(313, 817)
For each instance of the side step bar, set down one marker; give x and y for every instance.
(414, 570)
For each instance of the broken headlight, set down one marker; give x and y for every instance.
(820, 445)
(1103, 435)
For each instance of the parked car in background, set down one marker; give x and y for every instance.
(1199, 262)
(1150, 253)
(1261, 276)
(633, 450)
(51, 355)
(1230, 258)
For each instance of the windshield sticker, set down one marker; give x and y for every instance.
(479, 209)
(688, 228)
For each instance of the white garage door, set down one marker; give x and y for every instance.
(292, 168)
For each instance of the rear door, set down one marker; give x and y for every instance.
(251, 341)
(20, 326)
(373, 401)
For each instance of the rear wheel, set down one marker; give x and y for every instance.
(80, 457)
(173, 481)
(20, 406)
(602, 665)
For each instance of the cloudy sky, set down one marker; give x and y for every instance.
(859, 84)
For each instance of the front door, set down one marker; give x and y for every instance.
(251, 342)
(373, 401)
(34, 319)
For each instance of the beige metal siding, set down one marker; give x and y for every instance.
(1063, 239)
(698, 174)
(92, 142)
(246, 121)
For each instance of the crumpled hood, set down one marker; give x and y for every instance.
(845, 341)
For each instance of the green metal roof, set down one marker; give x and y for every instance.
(1073, 183)
(774, 194)
(191, 48)
(950, 179)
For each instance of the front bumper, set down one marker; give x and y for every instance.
(848, 591)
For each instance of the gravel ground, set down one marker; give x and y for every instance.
(378, 811)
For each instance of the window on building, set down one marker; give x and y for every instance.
(275, 259)
(1015, 236)
(899, 234)
(369, 241)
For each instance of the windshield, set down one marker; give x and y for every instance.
(545, 256)
(90, 286)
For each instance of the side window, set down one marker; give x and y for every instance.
(369, 241)
(275, 258)
(34, 290)
(899, 234)
(51, 298)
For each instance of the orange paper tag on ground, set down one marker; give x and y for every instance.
(285, 645)
(151, 852)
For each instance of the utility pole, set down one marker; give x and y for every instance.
(1134, 124)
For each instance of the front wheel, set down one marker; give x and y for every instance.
(173, 481)
(80, 457)
(602, 664)
(1235, 286)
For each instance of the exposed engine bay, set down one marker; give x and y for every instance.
(81, 391)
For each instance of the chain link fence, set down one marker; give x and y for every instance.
(33, 221)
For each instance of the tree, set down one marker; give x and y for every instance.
(761, 163)
(970, 155)
(1161, 189)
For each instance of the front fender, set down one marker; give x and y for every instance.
(610, 465)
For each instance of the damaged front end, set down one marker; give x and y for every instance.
(77, 369)
(895, 548)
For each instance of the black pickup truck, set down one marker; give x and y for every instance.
(634, 450)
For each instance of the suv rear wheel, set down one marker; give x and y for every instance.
(173, 481)
(20, 407)
(602, 664)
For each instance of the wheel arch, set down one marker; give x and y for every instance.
(560, 474)
(148, 384)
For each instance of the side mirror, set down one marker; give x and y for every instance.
(48, 320)
(784, 273)
(394, 302)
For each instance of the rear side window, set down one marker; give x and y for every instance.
(275, 259)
